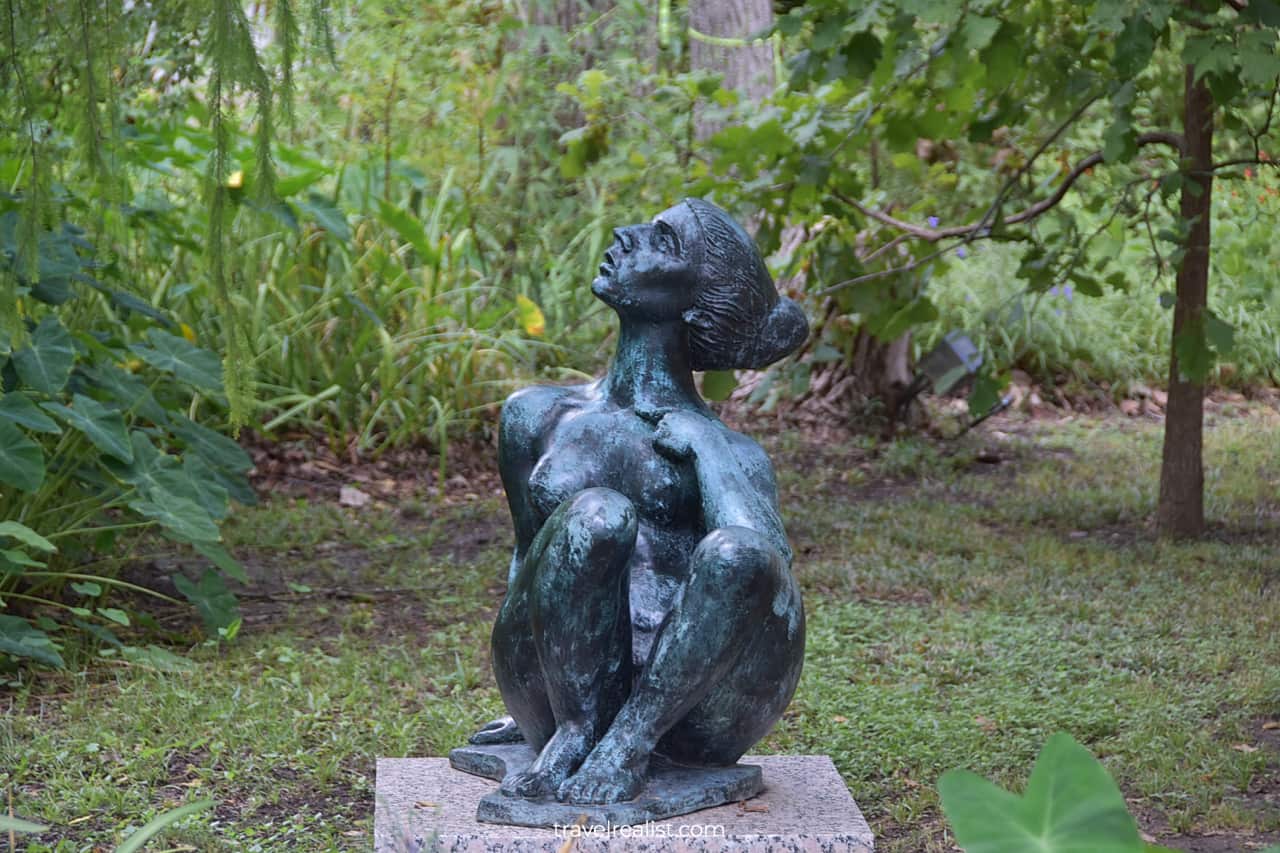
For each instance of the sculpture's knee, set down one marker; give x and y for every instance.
(597, 532)
(601, 515)
(739, 561)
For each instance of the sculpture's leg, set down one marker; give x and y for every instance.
(580, 627)
(736, 582)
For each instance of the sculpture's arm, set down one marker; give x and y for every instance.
(528, 417)
(518, 432)
(735, 477)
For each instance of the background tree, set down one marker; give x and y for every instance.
(724, 39)
(902, 115)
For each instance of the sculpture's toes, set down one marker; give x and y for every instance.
(528, 785)
(618, 786)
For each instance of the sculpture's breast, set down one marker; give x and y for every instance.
(615, 451)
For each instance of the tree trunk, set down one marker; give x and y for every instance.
(1180, 512)
(882, 371)
(564, 14)
(747, 70)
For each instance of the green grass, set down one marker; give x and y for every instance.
(959, 613)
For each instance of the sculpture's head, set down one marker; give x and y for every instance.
(695, 263)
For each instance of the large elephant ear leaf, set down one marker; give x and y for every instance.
(181, 516)
(195, 480)
(125, 390)
(21, 459)
(21, 639)
(215, 448)
(215, 603)
(1071, 805)
(103, 427)
(45, 365)
(18, 408)
(26, 536)
(190, 363)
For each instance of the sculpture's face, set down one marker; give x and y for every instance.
(648, 272)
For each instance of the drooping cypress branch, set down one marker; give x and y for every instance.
(234, 60)
(90, 131)
(41, 42)
(287, 33)
(28, 259)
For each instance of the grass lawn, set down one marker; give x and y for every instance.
(965, 601)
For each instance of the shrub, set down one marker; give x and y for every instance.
(97, 441)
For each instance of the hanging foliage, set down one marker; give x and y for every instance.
(67, 69)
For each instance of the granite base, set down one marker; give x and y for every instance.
(423, 804)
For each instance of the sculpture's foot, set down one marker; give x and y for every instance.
(501, 730)
(558, 759)
(605, 778)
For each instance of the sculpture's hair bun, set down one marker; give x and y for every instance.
(738, 320)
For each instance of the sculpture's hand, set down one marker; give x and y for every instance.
(682, 435)
(501, 730)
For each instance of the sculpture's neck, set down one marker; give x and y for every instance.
(650, 371)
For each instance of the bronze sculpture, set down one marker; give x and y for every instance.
(651, 608)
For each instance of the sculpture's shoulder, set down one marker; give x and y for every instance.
(530, 412)
(753, 458)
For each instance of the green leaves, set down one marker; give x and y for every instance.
(1259, 58)
(191, 364)
(1219, 333)
(21, 459)
(412, 231)
(1002, 57)
(21, 639)
(46, 364)
(116, 463)
(182, 516)
(18, 408)
(985, 394)
(1119, 141)
(214, 602)
(1134, 46)
(1209, 54)
(218, 450)
(26, 536)
(978, 31)
(104, 427)
(918, 310)
(327, 215)
(13, 824)
(13, 561)
(718, 384)
(157, 825)
(1264, 12)
(1196, 343)
(1071, 805)
(861, 55)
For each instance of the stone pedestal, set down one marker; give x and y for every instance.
(423, 804)
(670, 790)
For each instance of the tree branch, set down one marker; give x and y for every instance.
(1266, 126)
(1244, 161)
(969, 233)
(932, 235)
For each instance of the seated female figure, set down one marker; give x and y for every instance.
(651, 607)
